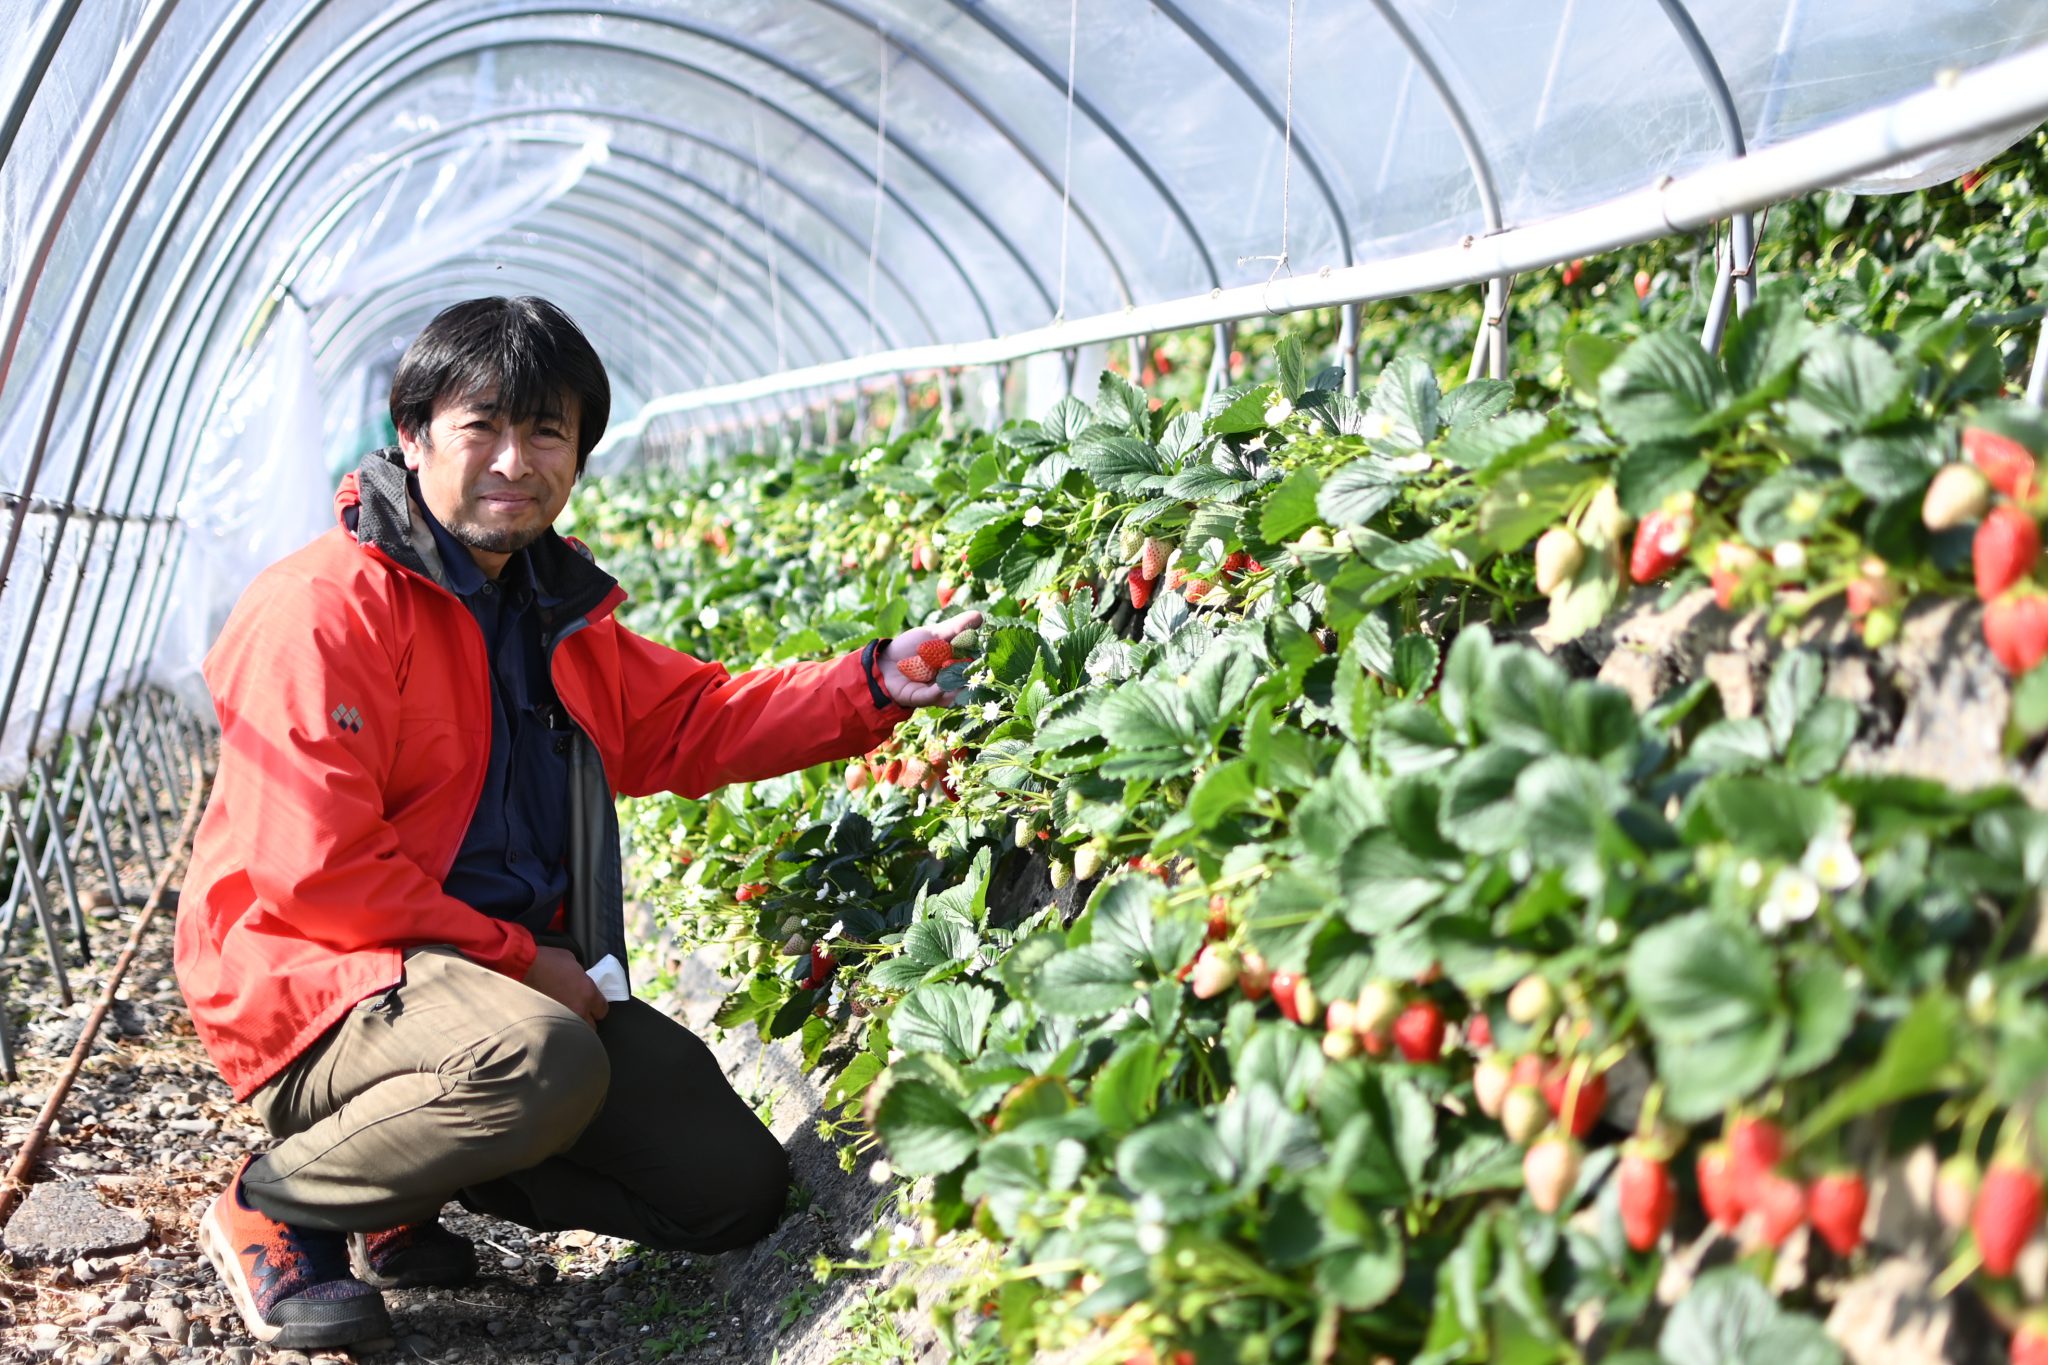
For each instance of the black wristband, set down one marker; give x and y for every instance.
(868, 654)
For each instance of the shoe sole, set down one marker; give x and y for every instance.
(359, 1265)
(214, 1241)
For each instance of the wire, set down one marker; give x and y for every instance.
(1067, 167)
(881, 151)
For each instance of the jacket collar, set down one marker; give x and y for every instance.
(375, 505)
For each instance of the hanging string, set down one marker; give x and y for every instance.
(1281, 261)
(1067, 168)
(718, 303)
(768, 232)
(881, 152)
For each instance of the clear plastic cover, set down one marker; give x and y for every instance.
(718, 191)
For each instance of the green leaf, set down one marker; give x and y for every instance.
(1707, 1076)
(1697, 975)
(1792, 504)
(1848, 383)
(1069, 418)
(1662, 387)
(1415, 661)
(1523, 702)
(1889, 466)
(1479, 812)
(1408, 737)
(1823, 1011)
(1087, 982)
(1651, 472)
(1762, 815)
(949, 1018)
(926, 1132)
(1406, 396)
(1239, 409)
(1821, 740)
(1732, 746)
(1730, 1318)
(1372, 647)
(1362, 1277)
(1587, 357)
(2030, 702)
(1120, 464)
(1763, 346)
(1911, 1063)
(1147, 716)
(1503, 442)
(1125, 913)
(1176, 1155)
(1476, 400)
(1356, 494)
(1125, 1092)
(1291, 508)
(1223, 791)
(1524, 503)
(939, 941)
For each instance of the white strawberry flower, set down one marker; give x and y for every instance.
(1832, 863)
(1377, 426)
(709, 618)
(1278, 411)
(1793, 897)
(1789, 555)
(881, 1173)
(1750, 874)
(991, 710)
(1034, 515)
(1418, 463)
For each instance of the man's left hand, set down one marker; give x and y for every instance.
(902, 690)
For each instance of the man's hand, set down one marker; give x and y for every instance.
(901, 689)
(556, 974)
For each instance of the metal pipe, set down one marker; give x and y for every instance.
(43, 41)
(2010, 90)
(1743, 247)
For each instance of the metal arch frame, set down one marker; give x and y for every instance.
(1492, 342)
(56, 22)
(1742, 235)
(960, 91)
(1232, 68)
(1107, 127)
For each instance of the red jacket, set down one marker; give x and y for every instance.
(355, 718)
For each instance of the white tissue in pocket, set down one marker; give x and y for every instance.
(610, 979)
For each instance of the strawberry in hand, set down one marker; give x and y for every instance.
(908, 669)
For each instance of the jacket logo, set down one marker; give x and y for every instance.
(347, 717)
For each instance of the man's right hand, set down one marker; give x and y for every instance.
(557, 974)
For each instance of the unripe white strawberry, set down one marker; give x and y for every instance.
(1378, 1003)
(1152, 556)
(1604, 522)
(1958, 496)
(1550, 1168)
(1129, 541)
(1532, 1000)
(1338, 1046)
(1215, 970)
(797, 946)
(1523, 1112)
(1059, 873)
(1490, 1084)
(1342, 1017)
(1023, 832)
(1087, 861)
(1559, 556)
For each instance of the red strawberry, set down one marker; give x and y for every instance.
(1479, 1031)
(892, 770)
(2005, 462)
(1661, 538)
(916, 669)
(1572, 271)
(1378, 1042)
(1197, 589)
(2008, 1210)
(1141, 589)
(1550, 1168)
(1642, 285)
(1716, 1171)
(1254, 977)
(2006, 546)
(1780, 1204)
(1219, 918)
(1528, 1070)
(1175, 578)
(1419, 1031)
(1296, 999)
(946, 591)
(822, 963)
(916, 772)
(1152, 557)
(2016, 629)
(1835, 1204)
(1970, 181)
(937, 653)
(1732, 561)
(1647, 1199)
(1588, 1103)
(1755, 1146)
(1216, 970)
(2030, 1342)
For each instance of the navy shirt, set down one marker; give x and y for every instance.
(514, 862)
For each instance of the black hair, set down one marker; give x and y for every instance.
(525, 348)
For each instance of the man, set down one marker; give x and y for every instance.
(410, 859)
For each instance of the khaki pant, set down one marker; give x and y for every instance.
(462, 1083)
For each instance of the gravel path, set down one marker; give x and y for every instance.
(150, 1128)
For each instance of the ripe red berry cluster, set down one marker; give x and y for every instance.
(931, 658)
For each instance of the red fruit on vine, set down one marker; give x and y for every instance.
(2007, 1213)
(1419, 1031)
(1661, 540)
(1718, 1193)
(822, 963)
(752, 891)
(1141, 589)
(1642, 285)
(1835, 1205)
(946, 591)
(1648, 1199)
(1296, 998)
(916, 772)
(2005, 462)
(2016, 629)
(1780, 1204)
(1152, 557)
(1550, 1168)
(892, 770)
(1479, 1031)
(1528, 1070)
(1216, 969)
(1219, 918)
(1586, 1105)
(1254, 977)
(2030, 1342)
(1378, 1042)
(1755, 1146)
(1573, 270)
(2005, 549)
(856, 776)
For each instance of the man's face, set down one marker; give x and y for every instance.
(496, 485)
